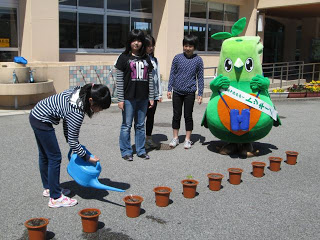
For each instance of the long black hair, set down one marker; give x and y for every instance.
(150, 42)
(100, 95)
(136, 34)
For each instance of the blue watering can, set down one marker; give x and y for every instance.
(85, 173)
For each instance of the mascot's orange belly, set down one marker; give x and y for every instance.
(224, 113)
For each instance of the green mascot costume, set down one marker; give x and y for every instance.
(240, 110)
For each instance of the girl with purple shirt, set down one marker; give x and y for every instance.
(186, 77)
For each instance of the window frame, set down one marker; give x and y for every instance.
(207, 22)
(105, 12)
(13, 49)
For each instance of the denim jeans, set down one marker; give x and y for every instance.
(49, 160)
(133, 110)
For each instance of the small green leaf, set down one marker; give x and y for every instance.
(189, 177)
(221, 35)
(238, 27)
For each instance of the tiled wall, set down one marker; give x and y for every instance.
(80, 75)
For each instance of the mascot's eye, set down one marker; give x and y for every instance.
(228, 65)
(249, 64)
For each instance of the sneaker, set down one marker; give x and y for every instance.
(144, 156)
(187, 144)
(174, 142)
(128, 158)
(63, 201)
(46, 192)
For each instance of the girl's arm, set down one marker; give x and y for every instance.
(200, 77)
(159, 81)
(120, 88)
(74, 122)
(172, 74)
(151, 89)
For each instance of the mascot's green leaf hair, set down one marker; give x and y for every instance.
(236, 29)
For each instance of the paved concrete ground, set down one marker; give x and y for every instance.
(281, 205)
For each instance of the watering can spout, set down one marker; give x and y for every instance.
(96, 184)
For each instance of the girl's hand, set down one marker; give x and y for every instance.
(121, 105)
(160, 99)
(169, 95)
(151, 103)
(199, 99)
(94, 160)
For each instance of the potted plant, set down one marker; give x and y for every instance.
(258, 169)
(313, 89)
(297, 91)
(275, 163)
(278, 93)
(215, 181)
(292, 157)
(89, 219)
(133, 205)
(37, 228)
(235, 175)
(162, 195)
(189, 187)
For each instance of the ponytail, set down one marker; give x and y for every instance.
(100, 95)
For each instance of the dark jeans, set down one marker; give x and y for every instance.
(150, 118)
(177, 102)
(49, 160)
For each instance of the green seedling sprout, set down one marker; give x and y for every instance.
(236, 29)
(189, 177)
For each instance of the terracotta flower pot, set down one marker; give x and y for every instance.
(189, 188)
(133, 205)
(275, 163)
(297, 94)
(292, 157)
(37, 228)
(258, 169)
(235, 175)
(89, 219)
(162, 196)
(215, 181)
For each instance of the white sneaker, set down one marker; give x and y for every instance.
(46, 192)
(63, 201)
(187, 144)
(174, 142)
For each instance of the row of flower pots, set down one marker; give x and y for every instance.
(37, 227)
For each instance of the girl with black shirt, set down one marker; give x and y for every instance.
(134, 90)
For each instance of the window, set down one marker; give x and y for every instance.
(8, 34)
(68, 29)
(203, 18)
(142, 24)
(101, 25)
(90, 31)
(141, 6)
(123, 5)
(90, 3)
(117, 31)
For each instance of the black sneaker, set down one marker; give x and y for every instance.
(144, 156)
(128, 158)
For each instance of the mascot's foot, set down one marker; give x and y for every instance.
(228, 149)
(246, 150)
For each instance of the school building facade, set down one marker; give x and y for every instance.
(58, 37)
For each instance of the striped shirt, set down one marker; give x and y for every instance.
(63, 106)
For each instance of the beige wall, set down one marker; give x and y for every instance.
(39, 30)
(168, 22)
(282, 3)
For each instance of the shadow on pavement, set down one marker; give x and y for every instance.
(92, 193)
